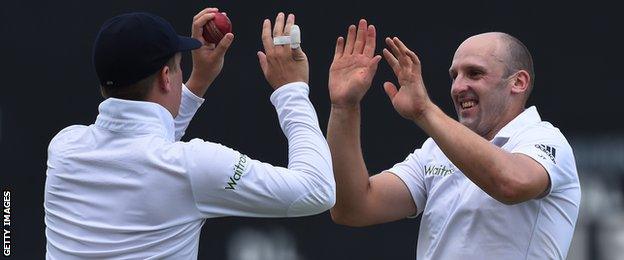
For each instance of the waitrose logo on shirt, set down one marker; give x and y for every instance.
(439, 170)
(239, 170)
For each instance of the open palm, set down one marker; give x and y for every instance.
(411, 99)
(354, 65)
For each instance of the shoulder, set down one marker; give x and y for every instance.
(429, 145)
(65, 141)
(66, 135)
(428, 150)
(548, 146)
(541, 132)
(545, 141)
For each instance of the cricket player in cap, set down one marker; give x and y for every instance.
(127, 187)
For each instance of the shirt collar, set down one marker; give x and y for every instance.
(528, 117)
(122, 115)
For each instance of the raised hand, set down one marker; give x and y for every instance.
(354, 65)
(411, 100)
(208, 59)
(281, 64)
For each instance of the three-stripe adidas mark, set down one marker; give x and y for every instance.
(550, 151)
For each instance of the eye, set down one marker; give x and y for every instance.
(453, 75)
(474, 74)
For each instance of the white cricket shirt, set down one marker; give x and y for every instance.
(461, 221)
(126, 188)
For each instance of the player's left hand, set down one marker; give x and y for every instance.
(281, 64)
(208, 59)
(411, 100)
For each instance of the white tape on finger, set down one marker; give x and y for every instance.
(294, 39)
(281, 40)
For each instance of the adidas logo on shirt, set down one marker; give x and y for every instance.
(550, 151)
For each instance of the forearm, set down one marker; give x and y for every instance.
(350, 173)
(486, 165)
(308, 152)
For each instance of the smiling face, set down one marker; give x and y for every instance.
(481, 92)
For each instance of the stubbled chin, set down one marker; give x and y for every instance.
(464, 121)
(468, 121)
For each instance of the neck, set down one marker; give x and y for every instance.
(165, 105)
(505, 118)
(163, 101)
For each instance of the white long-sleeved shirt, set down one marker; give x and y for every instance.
(126, 187)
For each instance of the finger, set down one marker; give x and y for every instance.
(391, 90)
(350, 40)
(400, 44)
(369, 47)
(414, 57)
(267, 40)
(339, 48)
(392, 46)
(224, 44)
(205, 11)
(204, 19)
(263, 62)
(372, 65)
(392, 61)
(198, 26)
(290, 20)
(298, 54)
(278, 29)
(360, 38)
(403, 54)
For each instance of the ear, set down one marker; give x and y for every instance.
(163, 79)
(520, 82)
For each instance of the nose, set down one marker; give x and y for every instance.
(459, 85)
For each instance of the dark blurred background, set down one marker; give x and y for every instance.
(48, 83)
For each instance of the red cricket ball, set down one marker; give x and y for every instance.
(216, 28)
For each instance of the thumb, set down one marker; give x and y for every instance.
(263, 62)
(224, 44)
(390, 89)
(298, 54)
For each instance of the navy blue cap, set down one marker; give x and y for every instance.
(132, 46)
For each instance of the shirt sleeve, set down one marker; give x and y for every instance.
(228, 183)
(410, 171)
(189, 105)
(550, 149)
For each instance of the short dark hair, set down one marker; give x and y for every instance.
(137, 91)
(519, 58)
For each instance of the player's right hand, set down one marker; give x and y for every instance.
(208, 59)
(281, 64)
(355, 63)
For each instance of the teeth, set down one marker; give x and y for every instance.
(467, 104)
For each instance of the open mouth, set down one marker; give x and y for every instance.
(468, 104)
